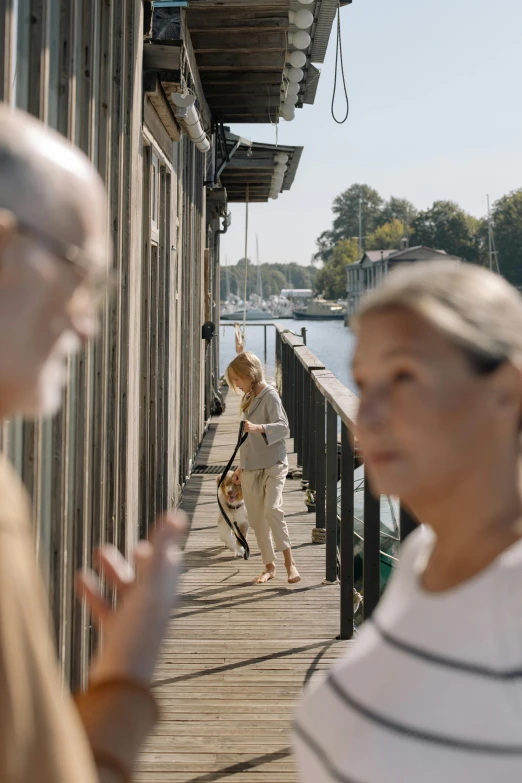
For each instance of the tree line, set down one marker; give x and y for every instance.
(274, 277)
(444, 226)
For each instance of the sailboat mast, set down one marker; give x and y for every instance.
(227, 277)
(492, 253)
(490, 238)
(259, 283)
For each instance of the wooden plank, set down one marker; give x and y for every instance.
(344, 402)
(237, 654)
(156, 99)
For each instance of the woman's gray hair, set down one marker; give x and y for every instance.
(477, 310)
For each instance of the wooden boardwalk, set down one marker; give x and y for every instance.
(237, 655)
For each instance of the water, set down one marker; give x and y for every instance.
(330, 341)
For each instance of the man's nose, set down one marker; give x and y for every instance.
(84, 315)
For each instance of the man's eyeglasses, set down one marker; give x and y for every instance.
(71, 254)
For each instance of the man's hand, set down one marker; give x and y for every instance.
(249, 427)
(132, 633)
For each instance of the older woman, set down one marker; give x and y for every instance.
(432, 690)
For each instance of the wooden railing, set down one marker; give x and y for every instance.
(315, 401)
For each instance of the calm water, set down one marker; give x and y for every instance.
(330, 341)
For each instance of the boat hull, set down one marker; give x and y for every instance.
(307, 317)
(249, 317)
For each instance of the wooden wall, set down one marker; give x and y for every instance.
(133, 415)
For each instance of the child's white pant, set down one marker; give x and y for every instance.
(263, 493)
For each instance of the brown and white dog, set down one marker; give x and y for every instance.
(231, 498)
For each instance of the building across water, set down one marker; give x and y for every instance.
(368, 271)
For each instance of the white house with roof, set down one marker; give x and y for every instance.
(368, 271)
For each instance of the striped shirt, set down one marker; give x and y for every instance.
(431, 691)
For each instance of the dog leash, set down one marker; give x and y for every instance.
(240, 538)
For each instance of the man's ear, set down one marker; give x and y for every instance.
(8, 224)
(507, 390)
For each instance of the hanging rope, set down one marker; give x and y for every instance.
(339, 59)
(241, 334)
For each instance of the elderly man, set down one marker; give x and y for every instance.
(53, 260)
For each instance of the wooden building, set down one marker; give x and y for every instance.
(366, 273)
(147, 91)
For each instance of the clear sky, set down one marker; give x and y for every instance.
(435, 113)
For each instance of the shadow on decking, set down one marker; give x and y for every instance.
(228, 667)
(242, 766)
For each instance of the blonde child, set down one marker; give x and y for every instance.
(263, 462)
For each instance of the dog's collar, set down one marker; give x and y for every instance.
(238, 505)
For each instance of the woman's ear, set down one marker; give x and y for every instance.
(507, 391)
(8, 225)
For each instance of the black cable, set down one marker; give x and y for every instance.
(339, 56)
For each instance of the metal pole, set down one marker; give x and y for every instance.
(347, 580)
(372, 545)
(331, 493)
(265, 344)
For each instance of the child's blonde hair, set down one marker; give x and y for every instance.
(246, 365)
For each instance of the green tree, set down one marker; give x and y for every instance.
(507, 224)
(331, 279)
(399, 209)
(445, 226)
(387, 236)
(346, 217)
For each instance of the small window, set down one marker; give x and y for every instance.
(154, 197)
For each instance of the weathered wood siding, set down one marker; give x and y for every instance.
(133, 416)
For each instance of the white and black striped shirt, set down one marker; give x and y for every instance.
(431, 691)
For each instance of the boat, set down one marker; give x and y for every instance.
(252, 314)
(389, 530)
(320, 309)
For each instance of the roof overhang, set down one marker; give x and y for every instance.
(241, 49)
(251, 168)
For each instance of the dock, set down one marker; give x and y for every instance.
(237, 655)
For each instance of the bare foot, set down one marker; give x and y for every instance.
(267, 574)
(293, 574)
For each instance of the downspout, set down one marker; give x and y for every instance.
(189, 119)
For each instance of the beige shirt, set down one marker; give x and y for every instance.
(44, 737)
(261, 451)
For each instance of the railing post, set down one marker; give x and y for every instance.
(372, 545)
(331, 493)
(319, 459)
(306, 423)
(407, 523)
(299, 376)
(312, 438)
(347, 580)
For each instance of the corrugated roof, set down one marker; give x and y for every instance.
(325, 15)
(311, 84)
(254, 166)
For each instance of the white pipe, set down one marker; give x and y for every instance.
(189, 118)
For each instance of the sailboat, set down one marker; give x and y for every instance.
(254, 312)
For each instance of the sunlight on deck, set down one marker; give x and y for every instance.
(237, 654)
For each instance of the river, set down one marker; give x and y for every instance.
(331, 341)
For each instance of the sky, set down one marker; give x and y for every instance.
(435, 113)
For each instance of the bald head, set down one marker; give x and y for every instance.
(51, 185)
(52, 203)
